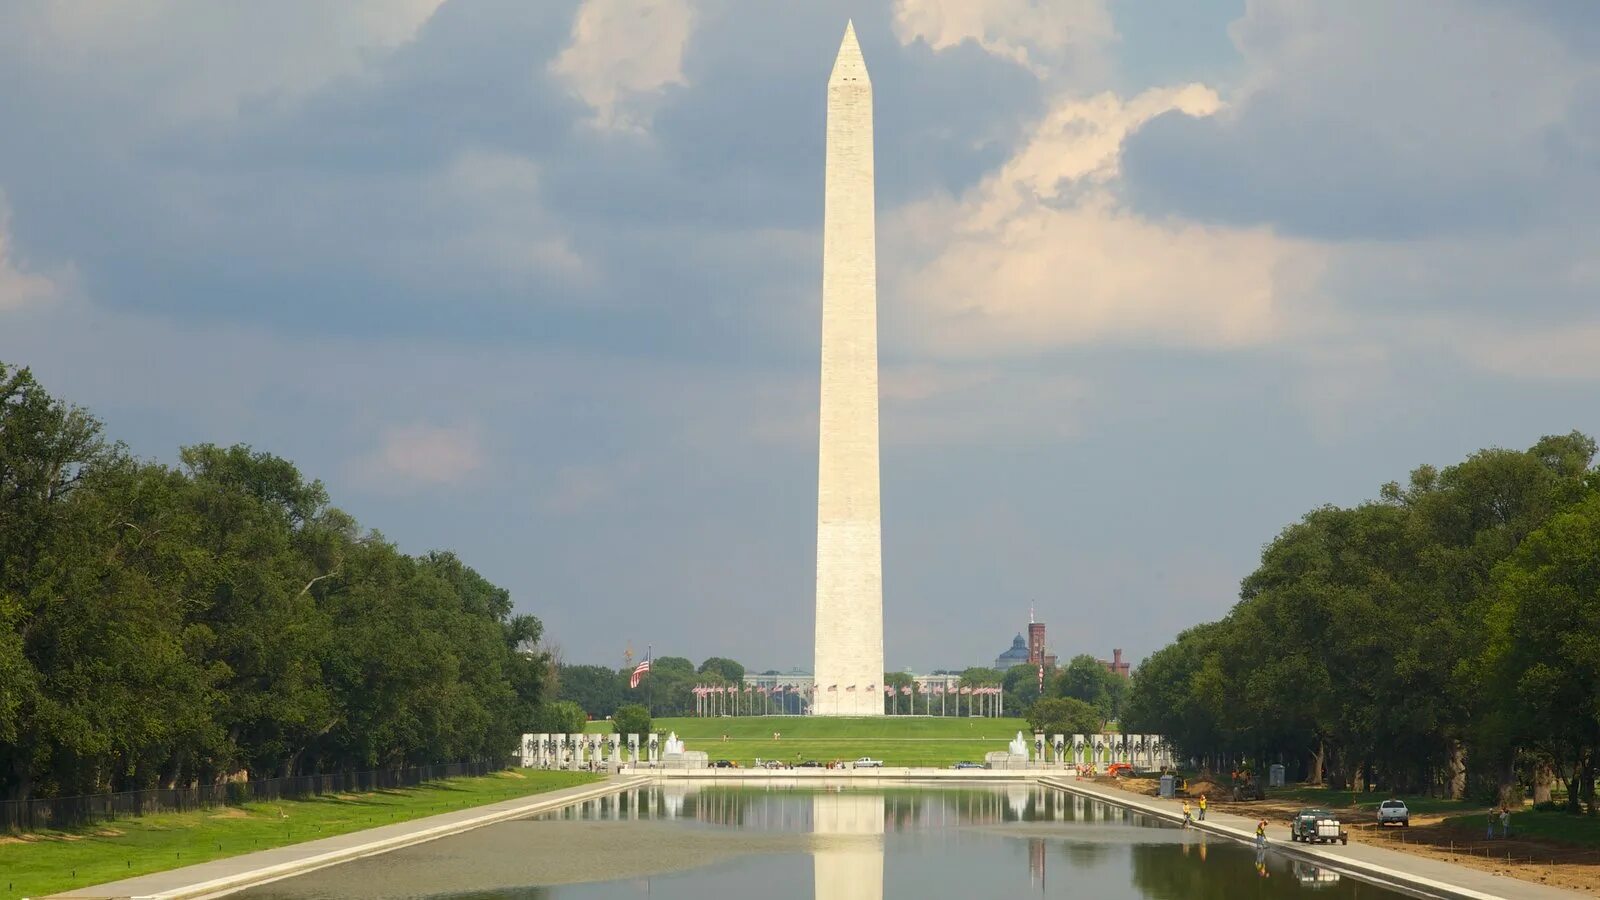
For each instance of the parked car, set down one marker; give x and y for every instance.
(867, 762)
(1394, 811)
(809, 764)
(774, 764)
(1317, 826)
(967, 764)
(724, 764)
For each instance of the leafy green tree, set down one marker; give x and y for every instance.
(560, 717)
(1063, 715)
(1086, 679)
(597, 689)
(171, 626)
(731, 672)
(631, 718)
(1543, 668)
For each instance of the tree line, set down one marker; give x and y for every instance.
(1443, 637)
(170, 625)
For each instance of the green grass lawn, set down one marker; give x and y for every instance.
(1543, 824)
(897, 740)
(1368, 802)
(50, 862)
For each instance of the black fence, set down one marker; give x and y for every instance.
(72, 812)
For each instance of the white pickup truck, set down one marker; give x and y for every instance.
(1394, 811)
(867, 762)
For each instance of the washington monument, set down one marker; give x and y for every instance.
(849, 663)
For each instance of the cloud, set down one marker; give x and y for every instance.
(422, 455)
(1031, 34)
(623, 55)
(18, 288)
(1371, 119)
(284, 49)
(1043, 253)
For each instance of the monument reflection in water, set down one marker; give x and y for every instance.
(686, 841)
(847, 858)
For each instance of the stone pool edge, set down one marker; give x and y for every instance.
(325, 852)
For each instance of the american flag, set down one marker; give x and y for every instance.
(833, 687)
(905, 690)
(966, 690)
(638, 673)
(851, 688)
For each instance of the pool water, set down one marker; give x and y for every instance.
(683, 840)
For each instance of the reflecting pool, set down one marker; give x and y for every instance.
(683, 840)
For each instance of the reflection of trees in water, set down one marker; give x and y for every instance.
(1178, 872)
(1084, 854)
(1167, 872)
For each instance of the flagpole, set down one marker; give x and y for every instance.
(649, 687)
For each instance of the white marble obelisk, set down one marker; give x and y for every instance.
(849, 650)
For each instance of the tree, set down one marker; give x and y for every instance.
(167, 626)
(1543, 656)
(730, 671)
(597, 689)
(560, 717)
(1086, 679)
(1063, 715)
(631, 718)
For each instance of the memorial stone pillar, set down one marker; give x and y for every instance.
(1060, 744)
(633, 748)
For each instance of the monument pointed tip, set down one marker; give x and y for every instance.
(850, 65)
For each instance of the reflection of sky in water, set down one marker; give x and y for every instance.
(681, 841)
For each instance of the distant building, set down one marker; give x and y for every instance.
(1036, 650)
(1027, 651)
(1016, 656)
(1116, 666)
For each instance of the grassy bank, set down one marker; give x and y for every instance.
(49, 862)
(897, 740)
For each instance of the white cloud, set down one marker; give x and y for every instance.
(494, 200)
(200, 58)
(422, 455)
(18, 288)
(1031, 33)
(1042, 253)
(622, 55)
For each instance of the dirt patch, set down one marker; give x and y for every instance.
(229, 812)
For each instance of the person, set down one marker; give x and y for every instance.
(1186, 820)
(1202, 807)
(1505, 821)
(1491, 822)
(1261, 834)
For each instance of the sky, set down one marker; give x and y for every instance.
(540, 282)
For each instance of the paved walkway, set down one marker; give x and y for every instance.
(224, 876)
(1392, 868)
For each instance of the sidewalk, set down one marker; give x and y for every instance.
(1391, 868)
(236, 872)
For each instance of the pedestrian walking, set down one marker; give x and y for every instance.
(1261, 834)
(1491, 822)
(1202, 807)
(1186, 820)
(1505, 822)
